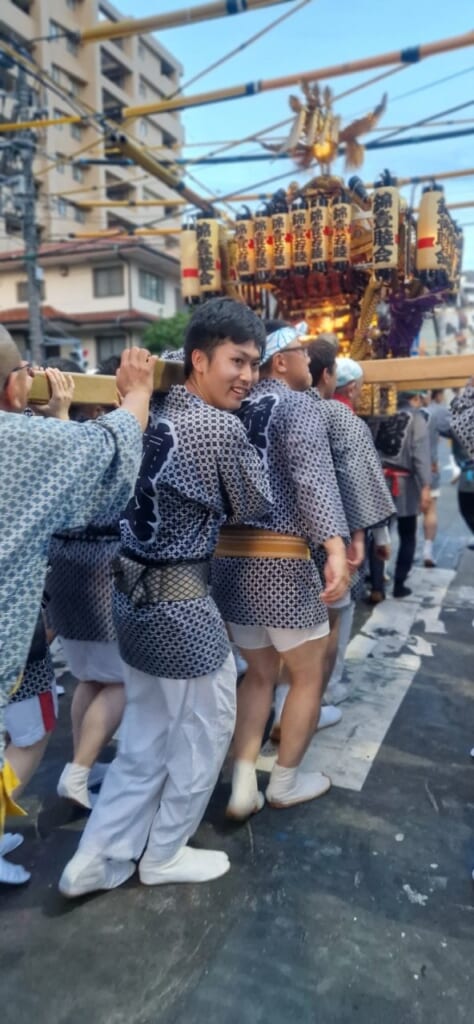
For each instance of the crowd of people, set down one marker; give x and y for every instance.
(179, 540)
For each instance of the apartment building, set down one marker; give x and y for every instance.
(98, 296)
(98, 79)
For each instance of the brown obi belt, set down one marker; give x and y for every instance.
(247, 542)
(393, 477)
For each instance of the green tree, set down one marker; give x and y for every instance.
(166, 333)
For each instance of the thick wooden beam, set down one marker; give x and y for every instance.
(96, 389)
(420, 372)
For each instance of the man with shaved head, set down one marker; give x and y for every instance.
(55, 475)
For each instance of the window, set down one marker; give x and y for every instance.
(107, 281)
(22, 290)
(58, 113)
(55, 73)
(151, 287)
(76, 131)
(78, 213)
(61, 206)
(60, 158)
(71, 44)
(110, 346)
(141, 50)
(143, 129)
(77, 173)
(55, 30)
(142, 88)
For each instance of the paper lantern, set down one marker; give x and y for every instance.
(320, 233)
(433, 240)
(210, 276)
(361, 245)
(341, 232)
(386, 205)
(282, 241)
(300, 219)
(263, 236)
(190, 289)
(245, 244)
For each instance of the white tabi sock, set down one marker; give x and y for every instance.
(188, 865)
(89, 872)
(428, 549)
(290, 786)
(73, 784)
(12, 874)
(10, 841)
(245, 798)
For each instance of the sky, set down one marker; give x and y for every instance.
(321, 34)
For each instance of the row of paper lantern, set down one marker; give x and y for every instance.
(320, 233)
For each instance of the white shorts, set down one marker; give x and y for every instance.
(253, 638)
(97, 660)
(27, 721)
(342, 602)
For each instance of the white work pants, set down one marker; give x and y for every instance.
(173, 739)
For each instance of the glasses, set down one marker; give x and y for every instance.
(295, 348)
(24, 366)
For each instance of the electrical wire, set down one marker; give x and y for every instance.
(238, 49)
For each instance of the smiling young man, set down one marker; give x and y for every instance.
(198, 469)
(266, 581)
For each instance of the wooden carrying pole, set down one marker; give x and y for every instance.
(172, 19)
(144, 159)
(420, 372)
(410, 55)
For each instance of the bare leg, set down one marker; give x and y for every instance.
(430, 526)
(25, 761)
(84, 694)
(331, 646)
(300, 716)
(254, 701)
(99, 722)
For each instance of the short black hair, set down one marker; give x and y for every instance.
(275, 325)
(322, 356)
(216, 321)
(64, 363)
(435, 392)
(109, 366)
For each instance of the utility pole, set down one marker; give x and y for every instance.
(25, 145)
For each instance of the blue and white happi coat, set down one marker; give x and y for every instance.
(55, 476)
(198, 470)
(365, 496)
(462, 419)
(289, 432)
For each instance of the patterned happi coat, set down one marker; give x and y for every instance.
(198, 469)
(403, 443)
(55, 476)
(365, 496)
(79, 586)
(462, 419)
(287, 429)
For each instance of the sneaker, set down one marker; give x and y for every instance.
(429, 563)
(375, 597)
(400, 590)
(329, 715)
(336, 693)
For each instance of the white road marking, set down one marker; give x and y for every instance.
(380, 667)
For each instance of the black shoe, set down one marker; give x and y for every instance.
(400, 590)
